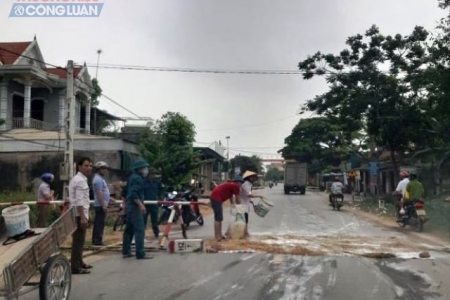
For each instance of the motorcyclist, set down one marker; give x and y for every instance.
(414, 189)
(337, 189)
(401, 189)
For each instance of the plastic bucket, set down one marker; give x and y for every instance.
(17, 219)
(263, 207)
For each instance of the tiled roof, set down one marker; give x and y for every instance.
(62, 73)
(8, 58)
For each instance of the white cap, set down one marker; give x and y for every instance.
(101, 164)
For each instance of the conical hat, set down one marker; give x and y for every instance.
(248, 174)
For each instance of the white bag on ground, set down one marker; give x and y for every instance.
(236, 228)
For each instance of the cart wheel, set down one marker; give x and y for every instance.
(56, 279)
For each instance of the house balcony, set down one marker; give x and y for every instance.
(19, 123)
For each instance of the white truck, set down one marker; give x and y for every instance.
(295, 177)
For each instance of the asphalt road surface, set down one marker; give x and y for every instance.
(342, 272)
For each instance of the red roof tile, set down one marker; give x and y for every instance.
(61, 73)
(8, 58)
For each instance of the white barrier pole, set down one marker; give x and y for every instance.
(154, 202)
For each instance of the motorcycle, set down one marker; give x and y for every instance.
(190, 213)
(167, 209)
(270, 185)
(413, 215)
(335, 203)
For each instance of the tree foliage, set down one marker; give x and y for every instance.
(368, 88)
(168, 146)
(96, 92)
(391, 92)
(320, 142)
(247, 163)
(273, 174)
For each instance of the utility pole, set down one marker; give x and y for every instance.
(228, 147)
(67, 167)
(99, 52)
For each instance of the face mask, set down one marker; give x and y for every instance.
(145, 172)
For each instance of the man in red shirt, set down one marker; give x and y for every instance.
(219, 195)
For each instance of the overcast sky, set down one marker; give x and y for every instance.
(257, 111)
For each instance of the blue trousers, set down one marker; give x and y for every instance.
(153, 211)
(134, 227)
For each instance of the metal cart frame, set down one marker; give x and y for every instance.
(41, 253)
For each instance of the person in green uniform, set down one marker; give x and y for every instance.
(135, 211)
(153, 190)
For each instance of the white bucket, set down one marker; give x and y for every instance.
(263, 207)
(17, 219)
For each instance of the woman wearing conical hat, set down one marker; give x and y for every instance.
(247, 195)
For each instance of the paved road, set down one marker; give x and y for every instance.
(308, 220)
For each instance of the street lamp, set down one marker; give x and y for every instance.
(228, 147)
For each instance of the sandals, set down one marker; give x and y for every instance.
(80, 272)
(86, 266)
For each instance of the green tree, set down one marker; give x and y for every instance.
(168, 146)
(363, 95)
(246, 163)
(100, 124)
(318, 142)
(273, 174)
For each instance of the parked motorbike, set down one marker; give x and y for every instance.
(167, 209)
(190, 213)
(413, 215)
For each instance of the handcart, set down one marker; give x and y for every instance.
(36, 262)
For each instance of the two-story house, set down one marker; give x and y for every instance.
(33, 109)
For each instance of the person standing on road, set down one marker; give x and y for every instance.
(101, 202)
(79, 198)
(219, 195)
(247, 195)
(135, 211)
(44, 194)
(153, 190)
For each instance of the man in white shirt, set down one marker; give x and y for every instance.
(337, 189)
(79, 198)
(401, 187)
(401, 190)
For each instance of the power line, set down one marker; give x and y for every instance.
(254, 152)
(197, 70)
(113, 101)
(65, 69)
(32, 58)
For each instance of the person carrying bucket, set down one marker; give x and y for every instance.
(219, 195)
(246, 195)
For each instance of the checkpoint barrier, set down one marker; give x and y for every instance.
(185, 246)
(64, 205)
